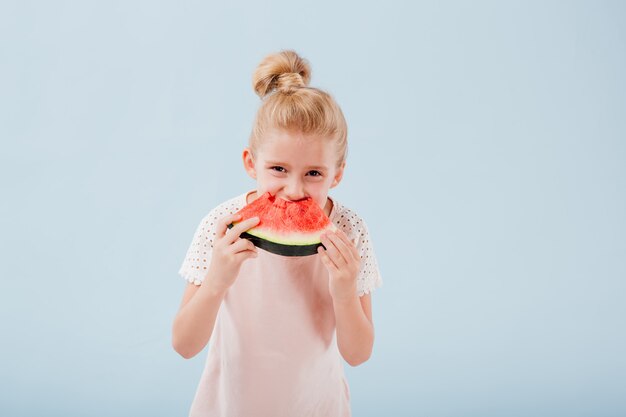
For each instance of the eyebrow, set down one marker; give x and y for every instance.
(322, 167)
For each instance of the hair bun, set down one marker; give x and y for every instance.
(283, 71)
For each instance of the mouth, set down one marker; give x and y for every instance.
(287, 200)
(294, 201)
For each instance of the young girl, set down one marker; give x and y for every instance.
(278, 325)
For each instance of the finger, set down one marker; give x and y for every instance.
(241, 227)
(326, 259)
(351, 244)
(344, 246)
(242, 245)
(335, 247)
(222, 223)
(242, 256)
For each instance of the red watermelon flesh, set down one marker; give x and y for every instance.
(289, 228)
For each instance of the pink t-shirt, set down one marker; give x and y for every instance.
(273, 351)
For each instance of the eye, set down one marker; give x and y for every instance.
(277, 168)
(315, 173)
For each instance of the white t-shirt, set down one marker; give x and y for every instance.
(273, 351)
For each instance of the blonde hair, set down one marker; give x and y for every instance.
(288, 103)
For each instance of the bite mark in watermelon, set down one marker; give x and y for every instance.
(288, 228)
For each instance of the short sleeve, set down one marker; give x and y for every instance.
(369, 274)
(195, 266)
(198, 258)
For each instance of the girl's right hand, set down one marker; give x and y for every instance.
(229, 251)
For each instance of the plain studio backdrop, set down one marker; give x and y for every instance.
(487, 156)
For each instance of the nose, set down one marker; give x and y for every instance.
(294, 190)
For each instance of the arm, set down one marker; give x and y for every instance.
(353, 315)
(194, 322)
(355, 330)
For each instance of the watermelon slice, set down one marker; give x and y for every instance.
(288, 228)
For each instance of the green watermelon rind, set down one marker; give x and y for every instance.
(312, 240)
(280, 249)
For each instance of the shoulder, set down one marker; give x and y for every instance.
(348, 220)
(224, 208)
(198, 255)
(208, 222)
(353, 225)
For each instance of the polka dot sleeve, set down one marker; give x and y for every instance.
(369, 275)
(198, 258)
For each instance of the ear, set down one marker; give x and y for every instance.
(248, 163)
(338, 175)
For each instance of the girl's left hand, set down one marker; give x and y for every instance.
(342, 261)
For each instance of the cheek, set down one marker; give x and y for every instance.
(322, 186)
(319, 191)
(268, 181)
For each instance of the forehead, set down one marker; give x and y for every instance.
(297, 148)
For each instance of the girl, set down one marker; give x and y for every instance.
(279, 325)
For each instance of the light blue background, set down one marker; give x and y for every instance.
(487, 155)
